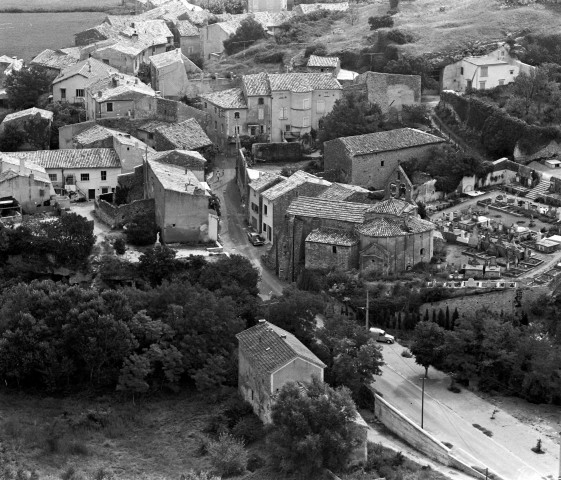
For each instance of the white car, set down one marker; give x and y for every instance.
(381, 336)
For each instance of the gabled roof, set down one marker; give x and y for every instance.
(152, 125)
(256, 84)
(232, 98)
(302, 82)
(483, 61)
(328, 209)
(11, 163)
(186, 29)
(173, 56)
(268, 348)
(28, 112)
(317, 61)
(187, 135)
(392, 227)
(70, 158)
(266, 180)
(505, 164)
(331, 236)
(119, 87)
(181, 158)
(55, 59)
(341, 191)
(104, 29)
(98, 133)
(89, 68)
(177, 179)
(296, 179)
(392, 206)
(398, 139)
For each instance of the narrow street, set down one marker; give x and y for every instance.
(234, 226)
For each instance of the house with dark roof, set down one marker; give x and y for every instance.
(382, 238)
(268, 358)
(54, 61)
(186, 135)
(368, 160)
(89, 172)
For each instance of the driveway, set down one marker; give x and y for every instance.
(450, 418)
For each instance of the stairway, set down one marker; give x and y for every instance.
(540, 189)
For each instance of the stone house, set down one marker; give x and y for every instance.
(89, 172)
(41, 128)
(368, 160)
(391, 91)
(268, 358)
(54, 61)
(265, 181)
(170, 73)
(25, 182)
(98, 33)
(192, 161)
(186, 135)
(181, 202)
(257, 94)
(382, 238)
(317, 64)
(71, 84)
(189, 39)
(483, 72)
(347, 193)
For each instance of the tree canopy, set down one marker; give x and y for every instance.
(25, 86)
(249, 31)
(428, 341)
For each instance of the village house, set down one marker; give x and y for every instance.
(317, 64)
(278, 197)
(387, 237)
(391, 91)
(170, 73)
(98, 33)
(149, 5)
(70, 85)
(145, 131)
(190, 160)
(87, 172)
(35, 122)
(25, 182)
(368, 160)
(188, 38)
(268, 358)
(187, 135)
(265, 181)
(118, 96)
(305, 8)
(181, 201)
(346, 192)
(54, 61)
(485, 72)
(257, 94)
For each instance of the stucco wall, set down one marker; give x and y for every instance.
(297, 370)
(254, 388)
(71, 85)
(28, 192)
(390, 90)
(185, 218)
(94, 183)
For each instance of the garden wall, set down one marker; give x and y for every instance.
(116, 216)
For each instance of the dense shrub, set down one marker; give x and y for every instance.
(120, 246)
(141, 230)
(269, 57)
(249, 31)
(400, 37)
(249, 428)
(228, 455)
(303, 28)
(316, 49)
(385, 21)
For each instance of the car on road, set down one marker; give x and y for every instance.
(381, 336)
(255, 239)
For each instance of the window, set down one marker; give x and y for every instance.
(320, 106)
(104, 190)
(334, 249)
(215, 110)
(501, 81)
(53, 177)
(260, 114)
(264, 227)
(110, 106)
(84, 177)
(153, 50)
(422, 251)
(260, 101)
(461, 70)
(237, 115)
(381, 163)
(80, 92)
(63, 93)
(106, 61)
(512, 72)
(41, 192)
(151, 136)
(283, 113)
(215, 125)
(287, 128)
(222, 128)
(104, 175)
(237, 129)
(253, 130)
(265, 209)
(484, 71)
(261, 128)
(481, 85)
(306, 104)
(306, 122)
(206, 106)
(255, 207)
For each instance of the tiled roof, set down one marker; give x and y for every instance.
(55, 59)
(302, 82)
(12, 163)
(328, 209)
(392, 206)
(29, 112)
(121, 87)
(69, 158)
(173, 56)
(152, 125)
(186, 29)
(104, 29)
(181, 158)
(177, 179)
(296, 179)
(341, 191)
(272, 19)
(266, 180)
(312, 7)
(231, 98)
(391, 227)
(89, 68)
(386, 141)
(316, 61)
(485, 60)
(187, 135)
(505, 164)
(331, 236)
(256, 84)
(268, 348)
(199, 19)
(92, 135)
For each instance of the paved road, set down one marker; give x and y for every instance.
(234, 227)
(450, 419)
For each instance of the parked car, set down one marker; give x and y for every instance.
(381, 336)
(255, 239)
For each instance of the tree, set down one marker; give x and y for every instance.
(145, 73)
(157, 263)
(427, 344)
(25, 86)
(352, 114)
(228, 455)
(141, 230)
(353, 15)
(11, 138)
(249, 31)
(385, 21)
(64, 114)
(311, 428)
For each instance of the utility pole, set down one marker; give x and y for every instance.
(423, 403)
(367, 309)
(559, 476)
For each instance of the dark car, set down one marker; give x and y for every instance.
(255, 239)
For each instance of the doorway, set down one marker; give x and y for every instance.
(91, 194)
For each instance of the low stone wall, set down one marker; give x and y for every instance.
(116, 216)
(277, 152)
(404, 428)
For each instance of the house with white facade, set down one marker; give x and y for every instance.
(89, 172)
(483, 72)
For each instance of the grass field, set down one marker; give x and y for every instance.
(26, 34)
(57, 4)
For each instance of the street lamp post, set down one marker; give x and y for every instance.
(423, 404)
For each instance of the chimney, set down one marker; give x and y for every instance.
(283, 336)
(89, 67)
(132, 25)
(262, 320)
(115, 81)
(134, 36)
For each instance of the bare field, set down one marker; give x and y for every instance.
(57, 4)
(26, 34)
